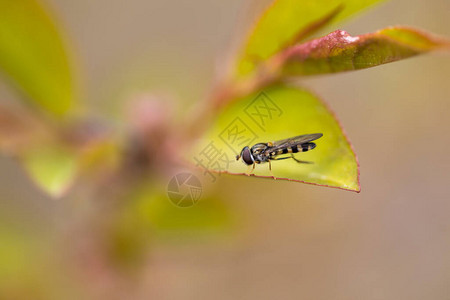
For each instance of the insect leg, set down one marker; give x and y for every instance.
(249, 171)
(270, 169)
(280, 158)
(297, 160)
(300, 161)
(253, 169)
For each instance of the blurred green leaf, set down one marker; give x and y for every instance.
(145, 214)
(32, 54)
(278, 113)
(153, 207)
(53, 168)
(288, 21)
(338, 51)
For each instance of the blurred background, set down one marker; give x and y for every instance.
(246, 238)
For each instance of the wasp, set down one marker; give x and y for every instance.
(266, 152)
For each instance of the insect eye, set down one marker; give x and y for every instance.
(247, 156)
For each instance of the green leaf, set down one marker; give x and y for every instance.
(338, 51)
(278, 113)
(32, 55)
(287, 21)
(151, 207)
(53, 168)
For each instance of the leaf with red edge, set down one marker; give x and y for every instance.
(277, 113)
(290, 21)
(338, 51)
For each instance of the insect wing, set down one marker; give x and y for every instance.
(296, 140)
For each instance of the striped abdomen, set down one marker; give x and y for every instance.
(294, 149)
